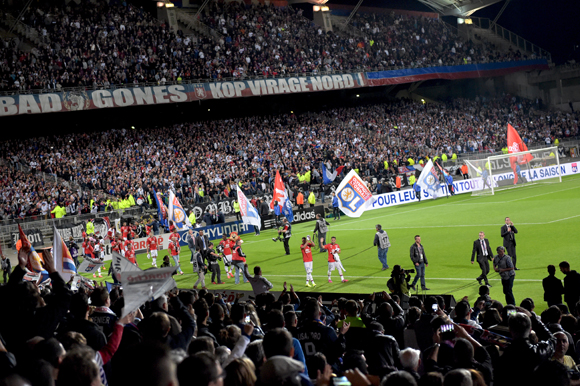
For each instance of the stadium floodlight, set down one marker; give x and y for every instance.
(507, 171)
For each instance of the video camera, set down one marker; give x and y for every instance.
(409, 271)
(220, 248)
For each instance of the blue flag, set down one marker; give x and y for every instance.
(327, 176)
(287, 209)
(161, 209)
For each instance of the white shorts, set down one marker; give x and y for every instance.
(154, 252)
(333, 266)
(228, 258)
(308, 266)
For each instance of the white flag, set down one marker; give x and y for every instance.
(139, 287)
(353, 195)
(90, 266)
(122, 264)
(429, 180)
(63, 261)
(177, 214)
(249, 213)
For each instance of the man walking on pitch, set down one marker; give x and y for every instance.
(333, 259)
(484, 255)
(306, 248)
(335, 208)
(502, 263)
(508, 232)
(571, 286)
(420, 260)
(382, 243)
(320, 229)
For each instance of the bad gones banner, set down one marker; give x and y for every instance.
(467, 186)
(154, 95)
(71, 230)
(33, 235)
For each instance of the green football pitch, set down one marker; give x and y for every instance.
(547, 217)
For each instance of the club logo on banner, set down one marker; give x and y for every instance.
(353, 195)
(574, 167)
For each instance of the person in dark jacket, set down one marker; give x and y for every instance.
(381, 351)
(571, 286)
(420, 260)
(29, 315)
(78, 320)
(6, 267)
(553, 288)
(522, 356)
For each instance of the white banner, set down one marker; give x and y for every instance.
(89, 266)
(139, 287)
(467, 186)
(122, 264)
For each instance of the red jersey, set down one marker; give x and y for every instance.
(307, 251)
(174, 248)
(131, 256)
(116, 246)
(90, 251)
(236, 256)
(330, 248)
(151, 243)
(228, 245)
(147, 229)
(174, 237)
(171, 228)
(123, 245)
(86, 247)
(111, 233)
(125, 231)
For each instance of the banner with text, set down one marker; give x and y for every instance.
(467, 186)
(178, 93)
(33, 235)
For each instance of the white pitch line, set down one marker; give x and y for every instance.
(384, 277)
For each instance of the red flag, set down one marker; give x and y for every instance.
(279, 191)
(24, 240)
(515, 145)
(339, 169)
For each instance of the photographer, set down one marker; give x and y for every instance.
(400, 281)
(214, 267)
(286, 233)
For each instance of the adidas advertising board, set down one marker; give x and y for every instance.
(300, 215)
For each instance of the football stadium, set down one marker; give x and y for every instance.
(289, 192)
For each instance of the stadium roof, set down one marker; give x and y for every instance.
(459, 8)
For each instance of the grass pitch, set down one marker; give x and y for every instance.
(547, 217)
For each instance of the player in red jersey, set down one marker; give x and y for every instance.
(152, 247)
(333, 260)
(306, 248)
(227, 244)
(175, 249)
(125, 231)
(130, 254)
(174, 236)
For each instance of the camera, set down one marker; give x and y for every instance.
(409, 271)
(220, 249)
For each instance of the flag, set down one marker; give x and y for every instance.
(279, 191)
(429, 180)
(122, 264)
(247, 211)
(139, 287)
(353, 195)
(35, 262)
(327, 176)
(161, 209)
(90, 265)
(516, 145)
(63, 261)
(177, 214)
(287, 209)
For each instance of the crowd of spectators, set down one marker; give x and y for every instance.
(73, 336)
(99, 44)
(125, 163)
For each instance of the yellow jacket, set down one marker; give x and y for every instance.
(311, 198)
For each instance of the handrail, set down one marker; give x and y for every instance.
(513, 38)
(197, 24)
(227, 79)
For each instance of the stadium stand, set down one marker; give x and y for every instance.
(96, 45)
